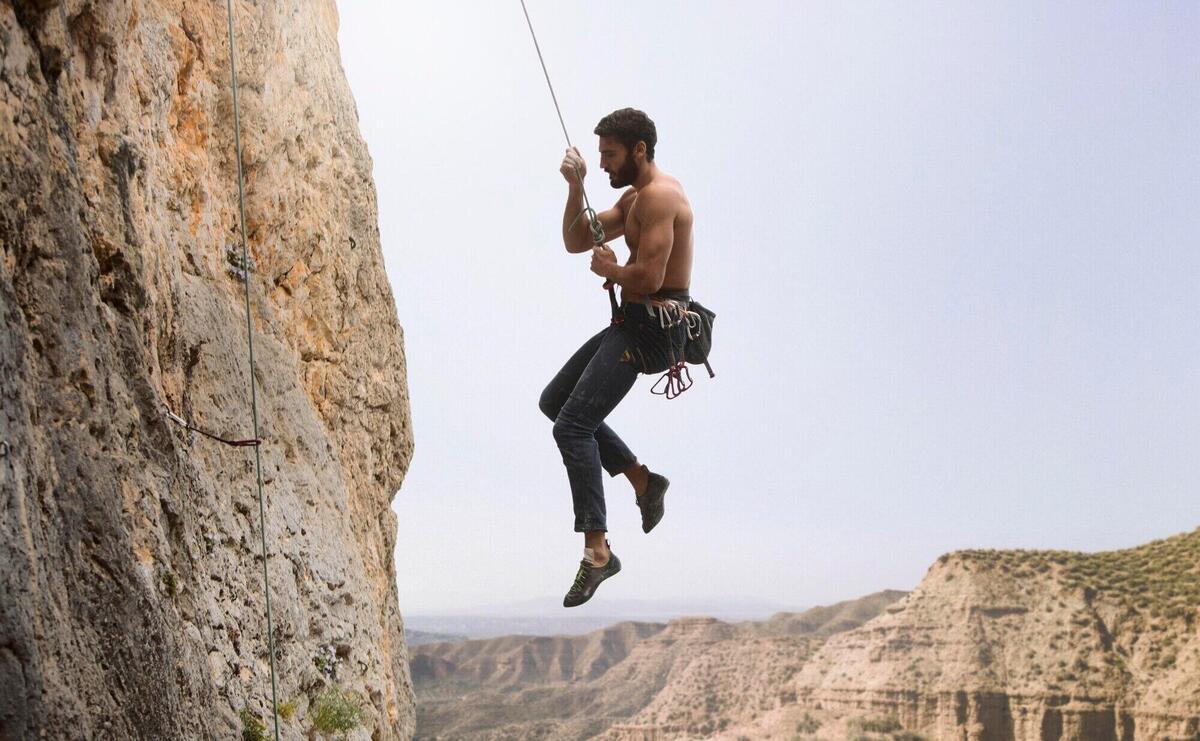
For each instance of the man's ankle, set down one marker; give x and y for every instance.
(638, 476)
(598, 554)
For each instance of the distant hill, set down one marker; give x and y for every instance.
(991, 646)
(420, 637)
(545, 616)
(565, 687)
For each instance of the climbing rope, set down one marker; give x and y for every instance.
(593, 221)
(262, 517)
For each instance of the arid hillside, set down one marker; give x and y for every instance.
(991, 646)
(696, 675)
(1030, 645)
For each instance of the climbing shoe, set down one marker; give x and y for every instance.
(589, 577)
(650, 503)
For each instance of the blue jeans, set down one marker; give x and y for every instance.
(589, 386)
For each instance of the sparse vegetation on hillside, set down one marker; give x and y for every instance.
(885, 728)
(876, 725)
(808, 724)
(1155, 588)
(1161, 578)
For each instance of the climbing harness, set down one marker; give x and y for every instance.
(252, 442)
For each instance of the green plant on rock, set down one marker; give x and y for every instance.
(170, 584)
(335, 712)
(253, 729)
(287, 710)
(808, 724)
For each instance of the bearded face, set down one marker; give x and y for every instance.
(625, 173)
(619, 162)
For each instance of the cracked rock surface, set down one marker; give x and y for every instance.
(133, 602)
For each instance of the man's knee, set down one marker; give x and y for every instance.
(563, 431)
(551, 402)
(568, 428)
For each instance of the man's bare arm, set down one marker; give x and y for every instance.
(578, 238)
(576, 228)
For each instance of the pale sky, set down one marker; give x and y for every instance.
(954, 251)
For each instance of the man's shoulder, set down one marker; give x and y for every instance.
(625, 200)
(663, 194)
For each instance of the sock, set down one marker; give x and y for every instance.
(589, 555)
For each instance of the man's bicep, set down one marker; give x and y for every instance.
(613, 221)
(655, 241)
(657, 221)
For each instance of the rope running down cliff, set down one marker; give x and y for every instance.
(262, 518)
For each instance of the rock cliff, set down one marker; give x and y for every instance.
(1030, 646)
(132, 583)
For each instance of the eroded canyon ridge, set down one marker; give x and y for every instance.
(991, 646)
(129, 558)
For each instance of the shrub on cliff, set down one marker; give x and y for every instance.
(335, 712)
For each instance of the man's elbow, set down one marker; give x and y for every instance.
(650, 284)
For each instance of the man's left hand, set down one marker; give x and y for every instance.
(603, 261)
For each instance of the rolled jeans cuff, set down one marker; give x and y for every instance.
(617, 469)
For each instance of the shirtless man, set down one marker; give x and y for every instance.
(654, 216)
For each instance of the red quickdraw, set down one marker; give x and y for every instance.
(674, 382)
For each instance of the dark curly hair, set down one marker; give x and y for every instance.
(629, 126)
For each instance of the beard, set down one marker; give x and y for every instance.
(625, 174)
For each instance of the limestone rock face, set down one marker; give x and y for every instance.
(133, 601)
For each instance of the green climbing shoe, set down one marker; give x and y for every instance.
(588, 578)
(650, 503)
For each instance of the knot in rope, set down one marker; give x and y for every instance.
(595, 225)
